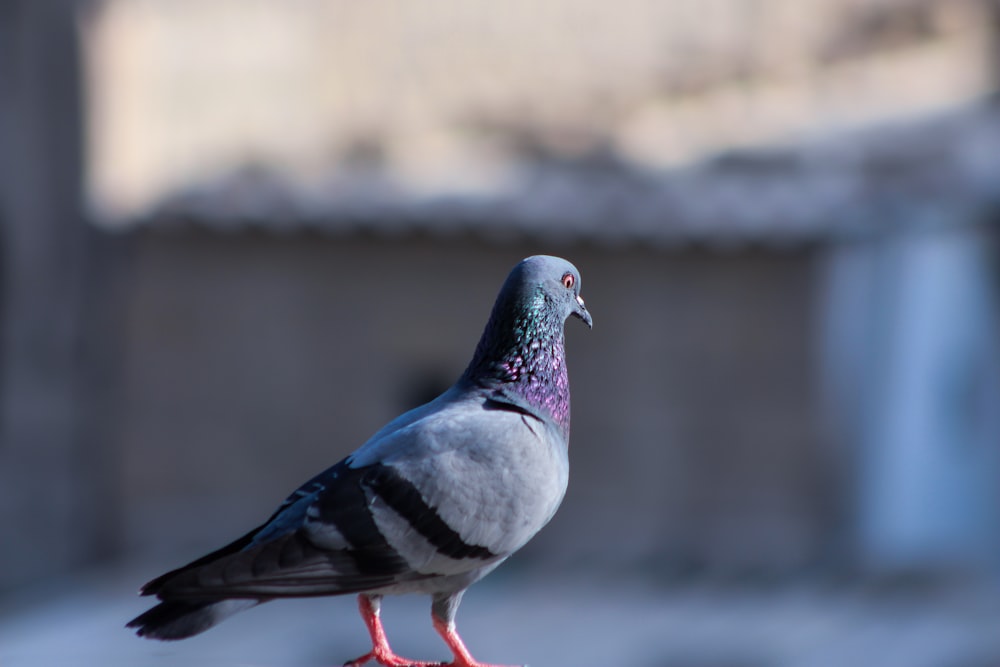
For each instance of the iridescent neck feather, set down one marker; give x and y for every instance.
(522, 354)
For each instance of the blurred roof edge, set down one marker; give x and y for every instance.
(942, 169)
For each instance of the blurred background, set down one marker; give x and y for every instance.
(238, 236)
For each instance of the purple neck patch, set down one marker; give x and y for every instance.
(538, 375)
(523, 353)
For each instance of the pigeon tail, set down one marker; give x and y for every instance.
(179, 619)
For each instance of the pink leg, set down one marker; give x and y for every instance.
(462, 656)
(381, 652)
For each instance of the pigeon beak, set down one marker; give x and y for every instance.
(582, 312)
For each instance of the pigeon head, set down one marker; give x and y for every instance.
(548, 284)
(521, 354)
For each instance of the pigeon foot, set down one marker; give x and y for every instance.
(462, 656)
(388, 659)
(382, 653)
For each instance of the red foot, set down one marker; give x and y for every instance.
(380, 653)
(383, 655)
(462, 656)
(388, 659)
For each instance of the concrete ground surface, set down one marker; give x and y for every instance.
(572, 620)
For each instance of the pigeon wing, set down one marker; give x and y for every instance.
(323, 540)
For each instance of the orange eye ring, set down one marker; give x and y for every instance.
(568, 280)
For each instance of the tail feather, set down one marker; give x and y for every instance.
(153, 587)
(178, 619)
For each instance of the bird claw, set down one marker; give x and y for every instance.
(389, 660)
(393, 660)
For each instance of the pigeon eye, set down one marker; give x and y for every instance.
(568, 280)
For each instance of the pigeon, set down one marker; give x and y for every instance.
(430, 504)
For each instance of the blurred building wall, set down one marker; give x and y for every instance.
(52, 479)
(912, 369)
(447, 95)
